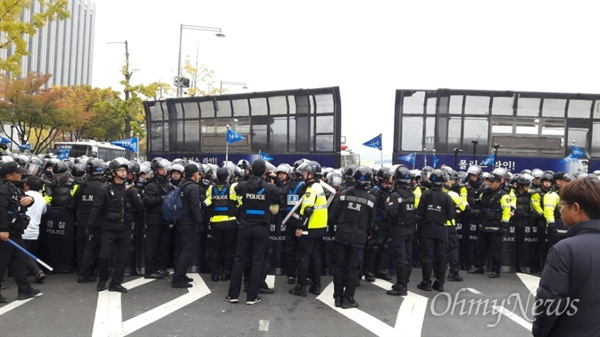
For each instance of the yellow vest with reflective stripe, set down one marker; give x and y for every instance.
(315, 197)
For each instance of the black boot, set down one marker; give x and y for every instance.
(315, 288)
(226, 276)
(214, 276)
(299, 290)
(425, 285)
(349, 302)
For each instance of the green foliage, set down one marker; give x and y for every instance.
(14, 33)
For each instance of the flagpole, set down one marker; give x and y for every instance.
(226, 145)
(414, 160)
(571, 161)
(424, 156)
(434, 163)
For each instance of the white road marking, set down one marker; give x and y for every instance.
(514, 317)
(15, 304)
(409, 321)
(263, 325)
(530, 281)
(270, 281)
(109, 320)
(474, 291)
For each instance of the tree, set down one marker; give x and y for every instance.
(197, 76)
(14, 32)
(38, 115)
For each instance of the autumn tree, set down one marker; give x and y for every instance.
(14, 33)
(199, 76)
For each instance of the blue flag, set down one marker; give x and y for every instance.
(436, 160)
(578, 153)
(568, 158)
(62, 153)
(130, 144)
(233, 137)
(408, 157)
(264, 156)
(4, 140)
(375, 142)
(25, 147)
(489, 160)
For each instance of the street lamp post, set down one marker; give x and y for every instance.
(242, 84)
(178, 81)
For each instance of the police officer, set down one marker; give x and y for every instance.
(189, 227)
(496, 215)
(83, 202)
(555, 228)
(471, 193)
(253, 231)
(294, 185)
(114, 210)
(354, 215)
(524, 222)
(401, 211)
(312, 226)
(158, 235)
(435, 210)
(460, 206)
(221, 200)
(13, 221)
(377, 245)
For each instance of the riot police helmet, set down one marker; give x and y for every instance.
(362, 175)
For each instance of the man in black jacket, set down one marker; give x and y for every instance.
(114, 210)
(253, 232)
(13, 221)
(189, 226)
(568, 301)
(435, 209)
(83, 202)
(353, 214)
(157, 228)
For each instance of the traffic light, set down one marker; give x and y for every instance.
(182, 82)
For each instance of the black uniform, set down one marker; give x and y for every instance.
(253, 232)
(294, 190)
(353, 214)
(402, 213)
(188, 229)
(14, 221)
(436, 208)
(158, 235)
(377, 246)
(83, 202)
(114, 211)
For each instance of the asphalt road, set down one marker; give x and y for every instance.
(475, 307)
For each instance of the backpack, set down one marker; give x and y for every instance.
(172, 206)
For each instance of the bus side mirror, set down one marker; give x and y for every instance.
(94, 154)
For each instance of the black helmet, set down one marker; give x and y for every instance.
(310, 167)
(548, 175)
(158, 163)
(474, 170)
(94, 167)
(243, 164)
(222, 174)
(334, 178)
(426, 170)
(363, 175)
(438, 177)
(78, 171)
(34, 167)
(452, 175)
(349, 171)
(402, 175)
(60, 168)
(383, 174)
(118, 162)
(21, 159)
(133, 167)
(524, 179)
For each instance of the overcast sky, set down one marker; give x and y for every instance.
(368, 48)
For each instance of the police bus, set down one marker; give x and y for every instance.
(287, 125)
(90, 148)
(525, 129)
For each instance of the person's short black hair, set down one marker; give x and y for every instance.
(584, 192)
(34, 183)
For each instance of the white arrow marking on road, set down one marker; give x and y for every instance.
(409, 321)
(109, 319)
(16, 304)
(530, 281)
(514, 317)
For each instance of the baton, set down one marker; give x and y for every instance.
(29, 254)
(291, 213)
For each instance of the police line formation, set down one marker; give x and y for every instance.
(382, 222)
